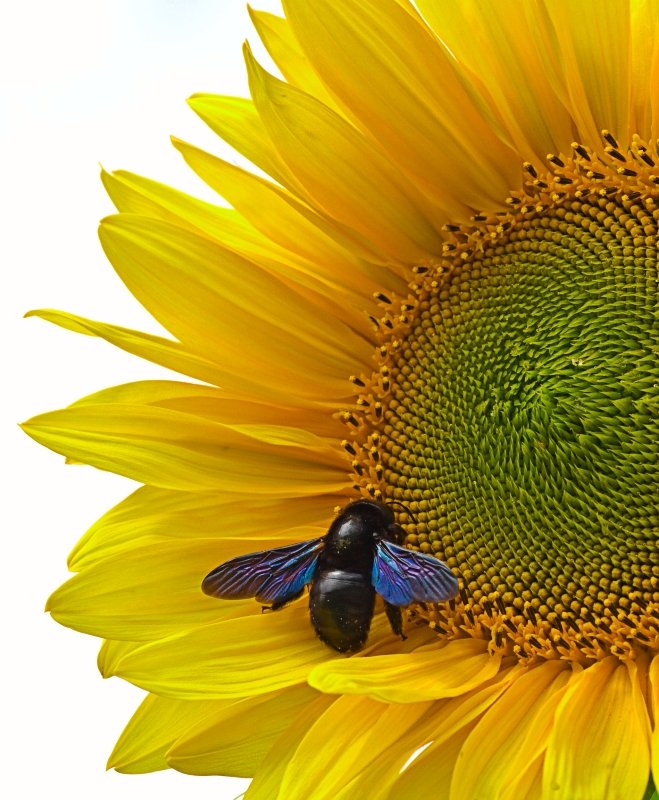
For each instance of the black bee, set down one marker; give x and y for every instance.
(355, 559)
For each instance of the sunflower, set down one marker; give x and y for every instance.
(444, 297)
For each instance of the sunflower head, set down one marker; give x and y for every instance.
(421, 309)
(525, 356)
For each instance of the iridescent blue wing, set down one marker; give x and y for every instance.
(403, 576)
(272, 576)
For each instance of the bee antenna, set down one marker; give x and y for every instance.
(403, 506)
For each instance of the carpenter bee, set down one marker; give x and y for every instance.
(356, 558)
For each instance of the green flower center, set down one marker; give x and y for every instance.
(514, 412)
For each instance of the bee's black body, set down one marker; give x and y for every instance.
(341, 604)
(345, 568)
(342, 596)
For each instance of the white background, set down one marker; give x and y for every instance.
(82, 82)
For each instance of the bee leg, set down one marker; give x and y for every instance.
(395, 618)
(281, 603)
(397, 534)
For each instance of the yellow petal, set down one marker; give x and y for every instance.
(525, 767)
(411, 677)
(408, 91)
(111, 652)
(528, 784)
(285, 51)
(589, 65)
(442, 735)
(403, 734)
(179, 451)
(153, 591)
(268, 778)
(375, 780)
(654, 708)
(420, 761)
(431, 776)
(283, 218)
(599, 746)
(134, 194)
(152, 515)
(334, 753)
(219, 661)
(240, 414)
(644, 68)
(155, 726)
(499, 747)
(507, 63)
(235, 120)
(234, 739)
(169, 354)
(347, 177)
(215, 301)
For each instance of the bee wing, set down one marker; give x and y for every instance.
(402, 576)
(272, 576)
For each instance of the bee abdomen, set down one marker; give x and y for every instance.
(341, 605)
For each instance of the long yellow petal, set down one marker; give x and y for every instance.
(179, 451)
(644, 68)
(170, 354)
(525, 766)
(154, 727)
(285, 219)
(442, 737)
(235, 120)
(527, 785)
(432, 773)
(405, 88)
(215, 405)
(235, 739)
(599, 746)
(267, 780)
(375, 780)
(591, 73)
(333, 753)
(219, 661)
(411, 677)
(516, 88)
(360, 189)
(654, 707)
(487, 763)
(285, 51)
(152, 515)
(209, 297)
(153, 591)
(134, 194)
(111, 652)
